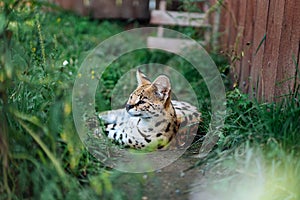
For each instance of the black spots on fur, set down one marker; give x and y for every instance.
(168, 127)
(142, 134)
(153, 107)
(170, 138)
(158, 134)
(190, 117)
(121, 137)
(178, 108)
(121, 124)
(156, 115)
(174, 129)
(115, 135)
(142, 145)
(150, 129)
(186, 108)
(160, 122)
(184, 123)
(147, 140)
(129, 141)
(106, 132)
(159, 146)
(152, 113)
(196, 114)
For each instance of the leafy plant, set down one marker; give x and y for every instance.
(41, 154)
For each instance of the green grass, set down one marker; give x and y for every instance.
(260, 142)
(41, 155)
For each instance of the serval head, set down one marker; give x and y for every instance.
(150, 99)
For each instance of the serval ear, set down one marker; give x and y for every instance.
(163, 88)
(142, 78)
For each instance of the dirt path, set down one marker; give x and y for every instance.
(168, 183)
(171, 182)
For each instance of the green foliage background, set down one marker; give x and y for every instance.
(41, 156)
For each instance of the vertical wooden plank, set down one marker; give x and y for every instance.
(229, 22)
(295, 43)
(238, 46)
(76, 5)
(270, 61)
(260, 29)
(297, 75)
(234, 13)
(247, 46)
(286, 69)
(213, 19)
(224, 28)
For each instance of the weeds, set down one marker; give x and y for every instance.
(40, 153)
(258, 154)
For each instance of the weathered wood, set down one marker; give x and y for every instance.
(171, 44)
(164, 17)
(267, 36)
(260, 30)
(77, 6)
(238, 43)
(246, 44)
(161, 17)
(223, 27)
(295, 46)
(270, 62)
(103, 9)
(285, 71)
(295, 43)
(233, 9)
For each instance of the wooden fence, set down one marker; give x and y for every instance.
(263, 39)
(108, 9)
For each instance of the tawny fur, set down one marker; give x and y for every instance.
(151, 119)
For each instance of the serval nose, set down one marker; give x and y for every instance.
(128, 107)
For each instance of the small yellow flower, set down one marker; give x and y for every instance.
(92, 72)
(63, 136)
(93, 77)
(67, 109)
(33, 49)
(1, 77)
(58, 20)
(79, 75)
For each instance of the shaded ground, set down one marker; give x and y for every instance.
(171, 182)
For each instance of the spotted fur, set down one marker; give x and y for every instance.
(150, 118)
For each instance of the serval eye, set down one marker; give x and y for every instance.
(141, 102)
